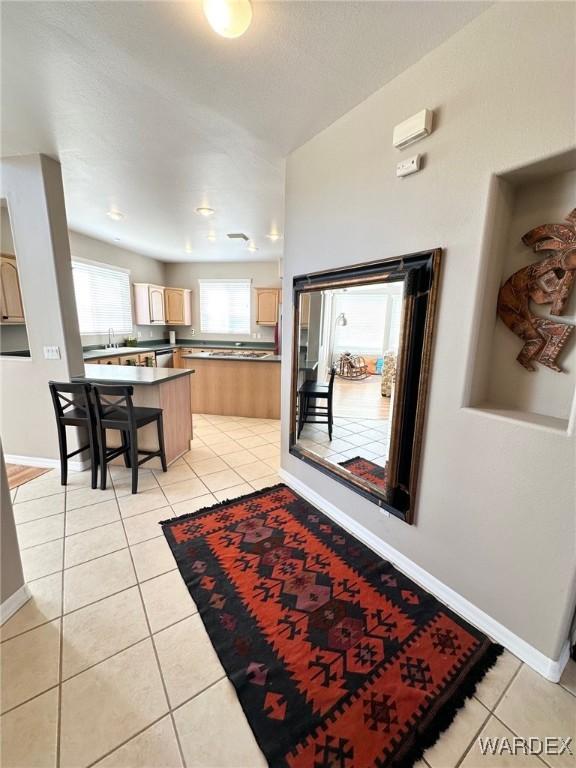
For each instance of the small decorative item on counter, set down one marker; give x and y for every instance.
(131, 341)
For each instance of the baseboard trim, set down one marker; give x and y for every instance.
(41, 461)
(549, 668)
(9, 607)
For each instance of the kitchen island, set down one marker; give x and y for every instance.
(166, 388)
(235, 384)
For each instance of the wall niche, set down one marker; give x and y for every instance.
(520, 200)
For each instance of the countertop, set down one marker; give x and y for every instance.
(95, 354)
(130, 374)
(237, 358)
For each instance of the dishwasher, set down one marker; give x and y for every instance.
(165, 359)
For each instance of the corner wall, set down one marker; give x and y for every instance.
(495, 517)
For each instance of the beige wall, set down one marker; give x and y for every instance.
(11, 576)
(262, 274)
(496, 510)
(32, 186)
(142, 270)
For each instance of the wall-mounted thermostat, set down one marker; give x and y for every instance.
(415, 128)
(408, 166)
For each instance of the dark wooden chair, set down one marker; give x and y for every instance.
(73, 408)
(115, 410)
(313, 391)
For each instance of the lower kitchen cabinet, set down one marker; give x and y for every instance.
(235, 387)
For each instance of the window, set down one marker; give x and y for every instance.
(365, 316)
(225, 306)
(102, 297)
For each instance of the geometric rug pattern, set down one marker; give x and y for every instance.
(337, 658)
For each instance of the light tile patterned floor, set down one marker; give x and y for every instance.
(109, 663)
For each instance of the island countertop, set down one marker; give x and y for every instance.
(131, 374)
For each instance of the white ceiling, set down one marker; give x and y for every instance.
(150, 112)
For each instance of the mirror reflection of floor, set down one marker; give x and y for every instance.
(361, 424)
(368, 438)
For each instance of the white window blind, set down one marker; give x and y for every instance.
(102, 297)
(225, 306)
(365, 321)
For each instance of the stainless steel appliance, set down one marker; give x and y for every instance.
(165, 359)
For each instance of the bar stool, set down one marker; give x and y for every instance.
(311, 390)
(73, 408)
(120, 413)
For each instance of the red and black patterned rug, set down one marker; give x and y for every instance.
(367, 470)
(338, 659)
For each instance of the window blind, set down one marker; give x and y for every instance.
(102, 297)
(365, 320)
(225, 306)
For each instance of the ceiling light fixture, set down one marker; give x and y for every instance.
(252, 247)
(203, 211)
(211, 236)
(228, 18)
(115, 215)
(274, 236)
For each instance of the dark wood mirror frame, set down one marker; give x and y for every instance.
(420, 274)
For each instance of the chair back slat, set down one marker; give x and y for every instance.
(67, 395)
(109, 399)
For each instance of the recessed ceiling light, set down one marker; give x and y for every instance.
(211, 236)
(228, 18)
(115, 215)
(188, 249)
(252, 247)
(117, 239)
(274, 236)
(203, 211)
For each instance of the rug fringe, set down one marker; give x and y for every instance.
(445, 716)
(212, 507)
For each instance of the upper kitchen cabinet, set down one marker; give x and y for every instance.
(177, 306)
(157, 305)
(149, 304)
(10, 296)
(267, 303)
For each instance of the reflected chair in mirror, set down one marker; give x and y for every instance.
(73, 408)
(310, 412)
(115, 410)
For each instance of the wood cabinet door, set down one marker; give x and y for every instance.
(267, 306)
(156, 304)
(304, 310)
(174, 304)
(11, 298)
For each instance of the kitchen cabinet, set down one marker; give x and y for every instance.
(158, 305)
(149, 304)
(267, 303)
(10, 295)
(177, 306)
(107, 361)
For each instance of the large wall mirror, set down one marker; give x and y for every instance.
(361, 361)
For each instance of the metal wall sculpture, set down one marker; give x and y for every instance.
(545, 282)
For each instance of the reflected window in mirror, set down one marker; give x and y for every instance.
(13, 334)
(360, 374)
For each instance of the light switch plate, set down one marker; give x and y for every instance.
(52, 353)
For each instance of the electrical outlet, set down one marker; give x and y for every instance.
(52, 353)
(139, 334)
(192, 331)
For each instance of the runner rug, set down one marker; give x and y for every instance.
(367, 470)
(338, 659)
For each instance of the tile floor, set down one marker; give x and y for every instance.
(109, 664)
(351, 437)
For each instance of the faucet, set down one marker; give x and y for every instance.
(111, 338)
